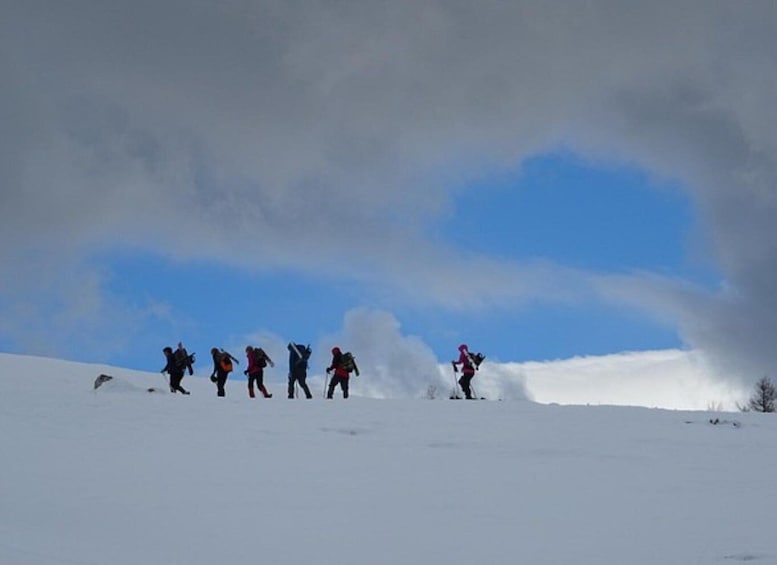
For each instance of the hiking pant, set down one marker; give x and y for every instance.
(300, 377)
(464, 382)
(221, 380)
(257, 378)
(342, 381)
(175, 383)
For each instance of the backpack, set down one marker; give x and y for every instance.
(301, 355)
(226, 362)
(476, 359)
(180, 358)
(260, 357)
(348, 362)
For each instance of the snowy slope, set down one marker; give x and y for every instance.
(122, 476)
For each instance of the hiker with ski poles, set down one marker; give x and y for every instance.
(343, 364)
(469, 364)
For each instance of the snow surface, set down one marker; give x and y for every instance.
(124, 476)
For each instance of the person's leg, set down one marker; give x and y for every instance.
(464, 382)
(260, 385)
(304, 387)
(176, 382)
(291, 385)
(332, 384)
(221, 380)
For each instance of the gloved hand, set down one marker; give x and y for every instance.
(245, 372)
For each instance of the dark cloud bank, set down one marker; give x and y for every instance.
(136, 123)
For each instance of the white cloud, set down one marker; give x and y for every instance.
(62, 306)
(391, 364)
(673, 379)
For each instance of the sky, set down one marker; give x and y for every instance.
(540, 182)
(123, 476)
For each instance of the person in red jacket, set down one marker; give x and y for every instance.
(467, 370)
(257, 361)
(341, 374)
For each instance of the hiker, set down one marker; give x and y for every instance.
(298, 368)
(184, 360)
(467, 370)
(342, 365)
(222, 366)
(175, 370)
(257, 361)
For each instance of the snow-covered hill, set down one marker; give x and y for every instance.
(124, 476)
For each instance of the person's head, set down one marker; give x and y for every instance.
(249, 349)
(213, 351)
(167, 350)
(335, 350)
(463, 347)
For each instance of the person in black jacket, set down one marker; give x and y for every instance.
(222, 366)
(298, 368)
(175, 370)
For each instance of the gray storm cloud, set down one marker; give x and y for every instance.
(138, 123)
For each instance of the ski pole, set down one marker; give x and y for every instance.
(326, 382)
(164, 378)
(455, 381)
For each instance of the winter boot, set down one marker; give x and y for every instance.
(251, 393)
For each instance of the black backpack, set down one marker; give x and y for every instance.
(476, 359)
(260, 357)
(180, 358)
(301, 355)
